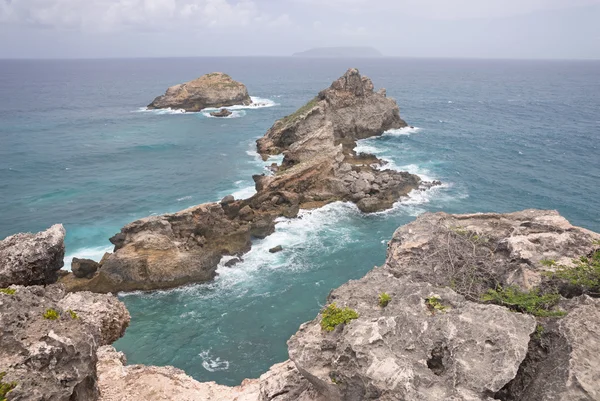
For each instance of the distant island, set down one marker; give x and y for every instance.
(338, 52)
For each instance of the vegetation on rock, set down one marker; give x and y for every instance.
(384, 299)
(5, 388)
(8, 291)
(333, 316)
(300, 112)
(434, 304)
(533, 302)
(51, 314)
(73, 314)
(584, 274)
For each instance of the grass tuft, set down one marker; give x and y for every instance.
(384, 299)
(434, 304)
(8, 291)
(51, 314)
(333, 316)
(5, 388)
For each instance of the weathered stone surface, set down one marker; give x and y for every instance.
(276, 249)
(103, 311)
(30, 259)
(84, 268)
(120, 382)
(210, 90)
(507, 248)
(407, 351)
(48, 359)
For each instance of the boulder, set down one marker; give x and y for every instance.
(84, 268)
(31, 259)
(211, 90)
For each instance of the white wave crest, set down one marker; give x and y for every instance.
(402, 131)
(161, 111)
(213, 365)
(184, 198)
(257, 103)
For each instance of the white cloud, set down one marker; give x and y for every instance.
(109, 15)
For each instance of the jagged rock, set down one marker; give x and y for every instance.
(232, 262)
(50, 359)
(276, 249)
(319, 167)
(221, 113)
(406, 351)
(99, 310)
(31, 259)
(210, 90)
(84, 268)
(507, 248)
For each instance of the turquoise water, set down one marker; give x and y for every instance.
(75, 148)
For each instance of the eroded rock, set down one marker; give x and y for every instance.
(210, 90)
(31, 259)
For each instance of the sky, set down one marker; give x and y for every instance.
(563, 29)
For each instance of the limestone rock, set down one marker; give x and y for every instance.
(103, 311)
(276, 249)
(84, 268)
(210, 90)
(31, 259)
(407, 351)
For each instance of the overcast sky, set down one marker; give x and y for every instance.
(412, 28)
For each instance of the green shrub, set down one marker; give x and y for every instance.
(585, 273)
(332, 316)
(73, 314)
(7, 291)
(434, 304)
(287, 120)
(539, 331)
(384, 299)
(5, 388)
(51, 314)
(532, 302)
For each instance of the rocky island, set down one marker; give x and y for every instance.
(211, 90)
(320, 166)
(476, 307)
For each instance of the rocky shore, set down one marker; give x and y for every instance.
(320, 166)
(476, 307)
(211, 90)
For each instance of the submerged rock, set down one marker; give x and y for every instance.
(210, 90)
(29, 259)
(276, 249)
(221, 113)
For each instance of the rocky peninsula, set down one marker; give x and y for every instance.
(319, 166)
(475, 307)
(211, 90)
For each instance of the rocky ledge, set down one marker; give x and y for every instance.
(320, 166)
(425, 326)
(210, 90)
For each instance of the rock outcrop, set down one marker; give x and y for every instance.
(84, 268)
(48, 341)
(210, 90)
(29, 259)
(319, 167)
(434, 339)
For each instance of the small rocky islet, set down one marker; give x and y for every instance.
(475, 307)
(214, 90)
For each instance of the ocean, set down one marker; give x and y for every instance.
(78, 148)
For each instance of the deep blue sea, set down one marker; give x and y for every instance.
(77, 148)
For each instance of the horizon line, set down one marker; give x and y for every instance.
(299, 58)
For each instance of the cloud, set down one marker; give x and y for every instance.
(111, 15)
